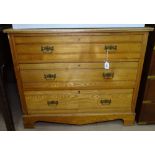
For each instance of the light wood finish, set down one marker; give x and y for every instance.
(17, 74)
(70, 75)
(73, 101)
(106, 84)
(113, 65)
(80, 30)
(84, 75)
(76, 38)
(79, 118)
(47, 58)
(64, 68)
(77, 48)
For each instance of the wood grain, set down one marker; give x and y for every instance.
(77, 48)
(77, 59)
(79, 30)
(78, 101)
(83, 75)
(79, 85)
(72, 38)
(78, 119)
(98, 57)
(17, 74)
(113, 65)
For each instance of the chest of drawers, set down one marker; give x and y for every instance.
(61, 76)
(146, 99)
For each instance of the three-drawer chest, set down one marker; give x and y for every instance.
(78, 76)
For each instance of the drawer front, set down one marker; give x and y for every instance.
(147, 113)
(29, 53)
(33, 49)
(113, 65)
(101, 83)
(87, 75)
(81, 57)
(78, 101)
(51, 49)
(78, 75)
(150, 91)
(77, 38)
(152, 66)
(79, 85)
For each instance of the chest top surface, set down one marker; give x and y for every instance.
(85, 30)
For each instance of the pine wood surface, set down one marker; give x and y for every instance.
(75, 57)
(76, 101)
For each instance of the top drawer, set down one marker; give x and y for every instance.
(36, 48)
(71, 38)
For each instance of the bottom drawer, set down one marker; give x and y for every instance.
(71, 101)
(147, 114)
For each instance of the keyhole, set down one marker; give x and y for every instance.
(79, 92)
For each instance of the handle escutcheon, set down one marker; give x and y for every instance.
(50, 76)
(105, 101)
(47, 49)
(110, 47)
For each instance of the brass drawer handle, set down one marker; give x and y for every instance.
(110, 47)
(151, 77)
(147, 102)
(52, 103)
(108, 74)
(105, 101)
(47, 49)
(50, 76)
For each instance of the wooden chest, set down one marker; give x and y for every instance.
(62, 78)
(146, 101)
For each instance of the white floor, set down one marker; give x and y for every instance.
(104, 126)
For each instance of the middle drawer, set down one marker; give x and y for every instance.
(78, 72)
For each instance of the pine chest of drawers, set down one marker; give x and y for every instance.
(61, 73)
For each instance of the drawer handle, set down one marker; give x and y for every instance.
(108, 74)
(147, 102)
(110, 47)
(105, 101)
(47, 49)
(50, 76)
(52, 103)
